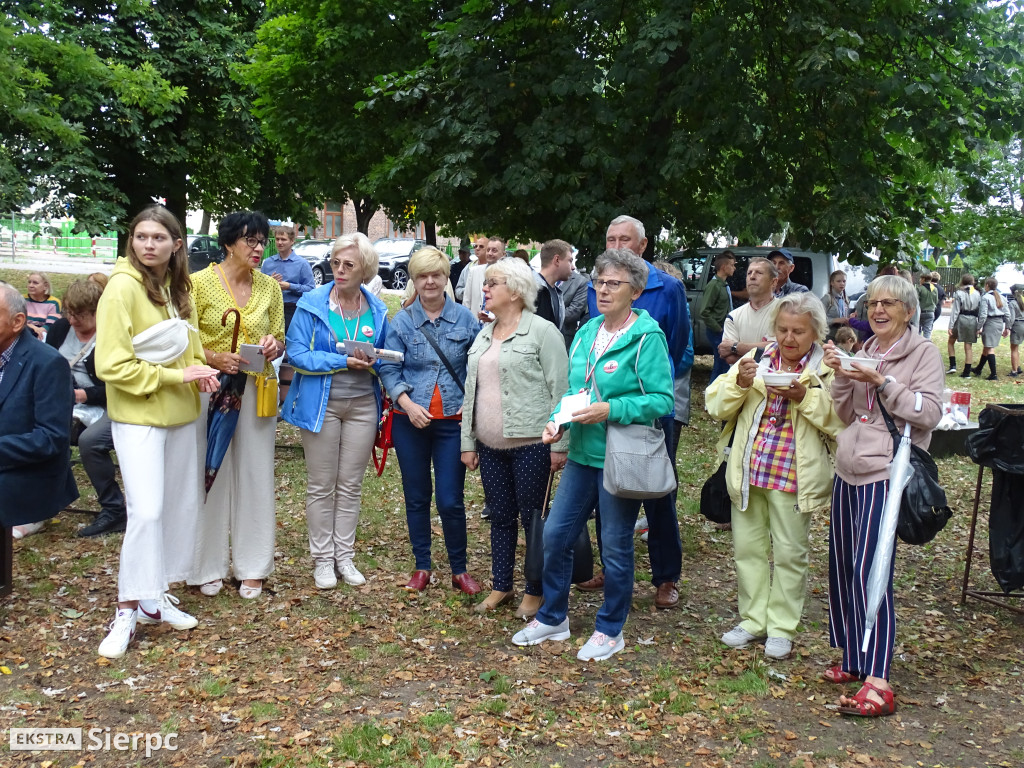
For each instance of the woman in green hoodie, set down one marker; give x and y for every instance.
(620, 361)
(152, 362)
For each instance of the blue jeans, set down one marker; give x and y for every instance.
(438, 443)
(579, 489)
(720, 366)
(663, 544)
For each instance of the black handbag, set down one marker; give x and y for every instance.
(715, 503)
(533, 562)
(923, 510)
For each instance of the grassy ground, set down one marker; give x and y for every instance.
(371, 676)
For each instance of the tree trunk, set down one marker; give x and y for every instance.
(365, 208)
(430, 232)
(204, 228)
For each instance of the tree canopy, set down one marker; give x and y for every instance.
(824, 121)
(145, 97)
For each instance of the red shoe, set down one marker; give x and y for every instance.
(418, 582)
(466, 584)
(837, 675)
(865, 707)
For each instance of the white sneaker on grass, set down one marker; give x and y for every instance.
(122, 631)
(738, 637)
(348, 571)
(536, 633)
(323, 575)
(164, 611)
(778, 648)
(600, 646)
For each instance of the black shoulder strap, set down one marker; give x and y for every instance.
(444, 360)
(889, 423)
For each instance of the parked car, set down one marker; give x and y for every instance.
(203, 251)
(318, 254)
(394, 253)
(812, 269)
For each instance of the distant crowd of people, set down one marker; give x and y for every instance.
(488, 366)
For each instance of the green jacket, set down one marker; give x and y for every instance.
(714, 304)
(927, 297)
(634, 376)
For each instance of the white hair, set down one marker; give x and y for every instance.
(637, 225)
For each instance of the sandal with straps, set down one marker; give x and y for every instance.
(837, 675)
(866, 707)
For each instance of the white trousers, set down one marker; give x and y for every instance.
(336, 459)
(161, 488)
(237, 523)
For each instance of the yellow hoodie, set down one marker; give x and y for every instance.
(139, 392)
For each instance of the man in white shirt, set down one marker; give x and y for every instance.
(749, 326)
(472, 296)
(479, 249)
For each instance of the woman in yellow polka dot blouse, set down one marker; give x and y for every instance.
(240, 505)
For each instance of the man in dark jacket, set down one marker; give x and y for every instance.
(715, 306)
(35, 421)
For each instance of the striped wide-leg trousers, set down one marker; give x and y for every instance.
(856, 514)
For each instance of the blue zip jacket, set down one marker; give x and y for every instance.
(454, 331)
(312, 353)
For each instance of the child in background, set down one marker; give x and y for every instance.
(846, 339)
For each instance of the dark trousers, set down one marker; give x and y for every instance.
(720, 366)
(514, 481)
(663, 544)
(438, 445)
(94, 447)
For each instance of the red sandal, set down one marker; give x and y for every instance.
(865, 707)
(837, 675)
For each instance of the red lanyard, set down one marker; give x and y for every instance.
(869, 392)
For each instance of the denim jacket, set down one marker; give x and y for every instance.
(312, 352)
(454, 331)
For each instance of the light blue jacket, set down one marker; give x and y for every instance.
(422, 370)
(312, 352)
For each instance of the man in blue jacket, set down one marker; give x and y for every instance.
(35, 422)
(664, 298)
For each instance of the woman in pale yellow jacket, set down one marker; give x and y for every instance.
(780, 468)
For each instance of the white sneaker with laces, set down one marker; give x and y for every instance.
(165, 612)
(122, 631)
(536, 633)
(348, 571)
(778, 648)
(600, 646)
(324, 576)
(738, 637)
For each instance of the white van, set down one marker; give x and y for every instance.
(811, 269)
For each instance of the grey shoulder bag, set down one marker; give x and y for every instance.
(636, 461)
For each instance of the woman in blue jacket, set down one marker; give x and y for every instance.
(335, 399)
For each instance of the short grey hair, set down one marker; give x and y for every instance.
(367, 253)
(624, 219)
(627, 261)
(772, 269)
(896, 287)
(519, 279)
(15, 301)
(803, 303)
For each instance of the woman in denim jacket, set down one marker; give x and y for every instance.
(428, 414)
(517, 374)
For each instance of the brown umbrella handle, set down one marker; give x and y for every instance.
(238, 320)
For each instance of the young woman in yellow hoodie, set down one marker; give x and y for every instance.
(152, 362)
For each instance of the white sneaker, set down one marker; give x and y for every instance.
(641, 524)
(738, 637)
(21, 531)
(212, 588)
(600, 646)
(536, 633)
(348, 571)
(778, 648)
(165, 612)
(324, 576)
(122, 631)
(643, 536)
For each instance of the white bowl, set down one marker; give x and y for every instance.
(867, 362)
(779, 379)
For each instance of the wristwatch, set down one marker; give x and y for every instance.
(732, 349)
(885, 383)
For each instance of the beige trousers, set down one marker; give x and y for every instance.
(336, 459)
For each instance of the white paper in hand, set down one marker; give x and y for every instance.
(571, 404)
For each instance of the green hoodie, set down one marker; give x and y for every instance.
(139, 392)
(639, 355)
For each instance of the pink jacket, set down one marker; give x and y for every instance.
(865, 447)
